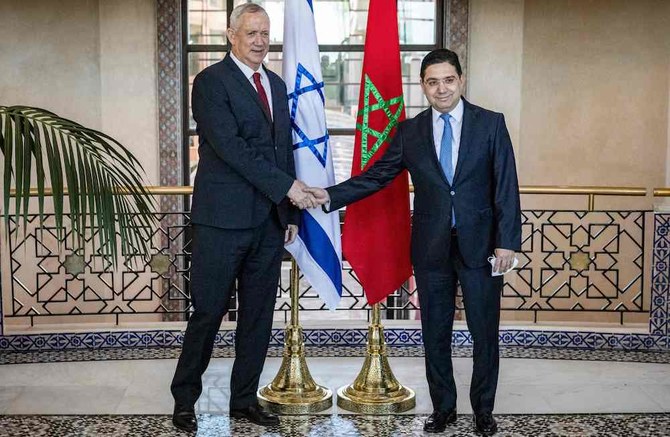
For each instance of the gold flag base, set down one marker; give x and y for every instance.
(376, 390)
(293, 391)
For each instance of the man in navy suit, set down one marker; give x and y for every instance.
(466, 208)
(242, 214)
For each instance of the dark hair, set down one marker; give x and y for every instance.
(439, 56)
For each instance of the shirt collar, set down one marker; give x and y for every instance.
(456, 113)
(246, 70)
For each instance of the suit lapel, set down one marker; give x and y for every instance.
(246, 85)
(467, 129)
(277, 101)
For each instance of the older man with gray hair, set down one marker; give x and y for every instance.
(244, 210)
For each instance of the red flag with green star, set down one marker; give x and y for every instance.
(375, 238)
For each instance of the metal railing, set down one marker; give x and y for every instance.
(662, 192)
(578, 262)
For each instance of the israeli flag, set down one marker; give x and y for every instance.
(317, 249)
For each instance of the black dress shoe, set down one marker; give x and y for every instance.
(485, 424)
(438, 421)
(184, 419)
(255, 414)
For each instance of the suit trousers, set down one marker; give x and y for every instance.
(219, 258)
(481, 297)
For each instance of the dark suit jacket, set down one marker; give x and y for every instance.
(484, 195)
(246, 160)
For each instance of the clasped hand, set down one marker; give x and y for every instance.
(305, 197)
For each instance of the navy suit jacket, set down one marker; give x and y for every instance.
(484, 194)
(246, 160)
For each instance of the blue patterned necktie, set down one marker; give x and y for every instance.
(445, 149)
(446, 160)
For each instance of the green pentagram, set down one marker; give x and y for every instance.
(384, 105)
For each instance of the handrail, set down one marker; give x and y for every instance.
(662, 192)
(156, 190)
(590, 191)
(524, 189)
(583, 190)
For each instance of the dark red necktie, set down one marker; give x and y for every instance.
(261, 94)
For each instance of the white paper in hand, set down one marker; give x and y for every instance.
(492, 261)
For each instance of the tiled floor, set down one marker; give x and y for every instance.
(624, 425)
(526, 386)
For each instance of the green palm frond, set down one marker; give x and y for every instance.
(103, 181)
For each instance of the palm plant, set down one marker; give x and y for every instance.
(103, 181)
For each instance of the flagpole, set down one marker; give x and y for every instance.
(376, 390)
(293, 390)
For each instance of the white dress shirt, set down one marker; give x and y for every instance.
(456, 121)
(249, 74)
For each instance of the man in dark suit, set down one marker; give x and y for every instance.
(242, 214)
(463, 213)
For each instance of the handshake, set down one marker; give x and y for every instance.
(305, 197)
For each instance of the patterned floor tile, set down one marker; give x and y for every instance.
(610, 425)
(331, 351)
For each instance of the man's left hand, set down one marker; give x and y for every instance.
(504, 260)
(291, 233)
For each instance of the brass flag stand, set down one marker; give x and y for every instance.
(293, 391)
(376, 390)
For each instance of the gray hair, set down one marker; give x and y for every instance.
(245, 8)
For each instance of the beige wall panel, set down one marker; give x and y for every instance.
(667, 161)
(49, 57)
(664, 203)
(128, 78)
(495, 60)
(93, 61)
(595, 92)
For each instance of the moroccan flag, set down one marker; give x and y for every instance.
(375, 238)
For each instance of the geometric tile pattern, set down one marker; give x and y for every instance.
(340, 425)
(456, 27)
(659, 322)
(68, 284)
(1, 303)
(169, 95)
(579, 261)
(170, 138)
(656, 340)
(395, 337)
(172, 352)
(571, 261)
(92, 288)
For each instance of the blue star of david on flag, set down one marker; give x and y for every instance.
(294, 98)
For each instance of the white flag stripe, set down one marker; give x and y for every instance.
(317, 249)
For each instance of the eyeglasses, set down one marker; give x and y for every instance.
(434, 83)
